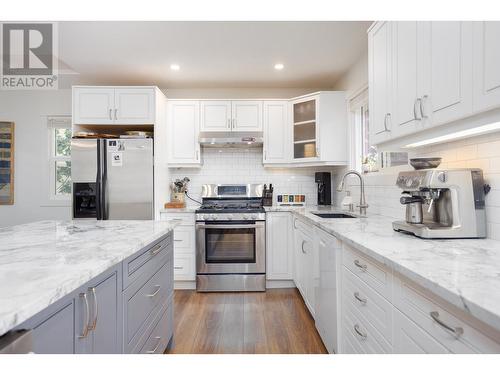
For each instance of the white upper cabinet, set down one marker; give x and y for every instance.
(227, 115)
(276, 132)
(134, 106)
(406, 77)
(109, 105)
(319, 128)
(447, 71)
(216, 115)
(486, 65)
(246, 115)
(183, 131)
(93, 105)
(421, 75)
(380, 81)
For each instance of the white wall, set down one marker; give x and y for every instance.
(355, 78)
(27, 109)
(237, 93)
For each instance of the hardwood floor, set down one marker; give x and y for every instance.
(276, 321)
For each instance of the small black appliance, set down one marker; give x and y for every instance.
(324, 181)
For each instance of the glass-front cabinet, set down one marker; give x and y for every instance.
(305, 128)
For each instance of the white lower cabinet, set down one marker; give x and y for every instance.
(279, 245)
(384, 313)
(184, 245)
(305, 274)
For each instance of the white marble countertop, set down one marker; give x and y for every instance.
(42, 262)
(464, 272)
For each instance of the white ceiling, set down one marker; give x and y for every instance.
(210, 54)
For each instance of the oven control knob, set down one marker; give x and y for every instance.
(254, 216)
(213, 217)
(245, 217)
(202, 217)
(229, 217)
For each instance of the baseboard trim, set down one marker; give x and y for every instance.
(185, 285)
(272, 284)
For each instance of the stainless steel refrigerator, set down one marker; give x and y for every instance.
(112, 178)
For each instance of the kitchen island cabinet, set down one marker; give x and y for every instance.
(98, 287)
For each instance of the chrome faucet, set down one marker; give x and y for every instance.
(362, 201)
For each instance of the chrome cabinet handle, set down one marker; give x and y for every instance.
(86, 322)
(303, 243)
(116, 110)
(415, 115)
(197, 155)
(362, 300)
(178, 268)
(156, 249)
(265, 155)
(295, 223)
(359, 332)
(233, 125)
(177, 240)
(94, 323)
(359, 265)
(386, 129)
(229, 123)
(110, 114)
(158, 287)
(422, 111)
(156, 347)
(455, 330)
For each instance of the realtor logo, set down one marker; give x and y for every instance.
(28, 56)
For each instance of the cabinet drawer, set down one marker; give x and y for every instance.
(147, 261)
(160, 336)
(184, 267)
(359, 336)
(184, 239)
(140, 304)
(418, 305)
(368, 270)
(179, 218)
(371, 305)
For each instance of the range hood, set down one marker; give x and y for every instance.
(231, 139)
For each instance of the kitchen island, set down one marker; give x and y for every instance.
(88, 286)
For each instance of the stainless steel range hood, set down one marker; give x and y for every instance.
(231, 139)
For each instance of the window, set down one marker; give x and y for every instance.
(59, 168)
(363, 154)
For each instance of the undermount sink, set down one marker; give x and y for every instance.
(334, 215)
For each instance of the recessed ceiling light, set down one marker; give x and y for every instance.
(174, 66)
(279, 66)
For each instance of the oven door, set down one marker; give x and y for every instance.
(230, 247)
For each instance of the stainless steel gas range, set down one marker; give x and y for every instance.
(231, 239)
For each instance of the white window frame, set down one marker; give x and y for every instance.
(51, 123)
(355, 101)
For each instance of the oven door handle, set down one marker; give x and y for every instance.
(232, 226)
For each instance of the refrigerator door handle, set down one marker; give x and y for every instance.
(99, 181)
(104, 178)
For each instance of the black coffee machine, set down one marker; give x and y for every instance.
(324, 181)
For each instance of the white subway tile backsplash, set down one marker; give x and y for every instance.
(478, 152)
(235, 165)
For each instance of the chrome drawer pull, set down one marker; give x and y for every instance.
(359, 332)
(94, 324)
(86, 321)
(362, 300)
(177, 240)
(178, 268)
(303, 243)
(156, 249)
(456, 331)
(156, 347)
(155, 293)
(359, 265)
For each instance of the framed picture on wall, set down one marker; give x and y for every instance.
(6, 163)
